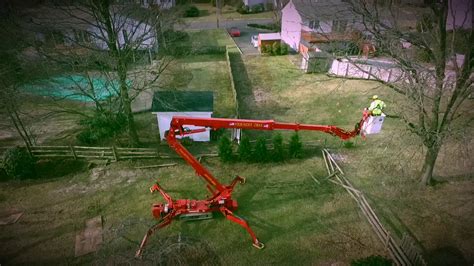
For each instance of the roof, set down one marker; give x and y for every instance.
(183, 101)
(269, 36)
(68, 17)
(323, 9)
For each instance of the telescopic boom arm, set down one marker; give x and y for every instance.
(221, 199)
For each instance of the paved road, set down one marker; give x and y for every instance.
(244, 40)
(246, 32)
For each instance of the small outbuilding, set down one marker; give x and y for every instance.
(268, 39)
(167, 104)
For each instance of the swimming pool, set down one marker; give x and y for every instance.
(74, 87)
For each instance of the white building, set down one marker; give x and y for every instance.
(167, 104)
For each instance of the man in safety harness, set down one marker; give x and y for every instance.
(376, 106)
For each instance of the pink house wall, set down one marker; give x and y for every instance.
(460, 14)
(291, 26)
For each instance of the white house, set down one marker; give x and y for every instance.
(163, 4)
(167, 104)
(70, 25)
(305, 22)
(135, 33)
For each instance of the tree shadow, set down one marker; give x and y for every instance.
(243, 87)
(446, 256)
(59, 168)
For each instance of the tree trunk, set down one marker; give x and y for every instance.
(127, 108)
(428, 165)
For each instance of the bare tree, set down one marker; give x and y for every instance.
(436, 68)
(12, 77)
(116, 40)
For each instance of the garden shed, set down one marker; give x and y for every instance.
(167, 104)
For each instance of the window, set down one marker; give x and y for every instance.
(339, 25)
(314, 24)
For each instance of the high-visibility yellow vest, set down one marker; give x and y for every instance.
(376, 107)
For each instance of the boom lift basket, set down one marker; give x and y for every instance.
(373, 124)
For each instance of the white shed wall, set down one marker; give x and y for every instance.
(164, 120)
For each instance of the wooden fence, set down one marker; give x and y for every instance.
(106, 153)
(405, 253)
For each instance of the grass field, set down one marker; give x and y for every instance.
(203, 73)
(386, 166)
(296, 219)
(212, 37)
(208, 13)
(300, 222)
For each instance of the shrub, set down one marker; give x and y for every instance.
(18, 163)
(372, 261)
(268, 6)
(182, 2)
(216, 134)
(272, 26)
(259, 8)
(175, 43)
(276, 48)
(284, 48)
(278, 153)
(349, 144)
(243, 9)
(245, 150)
(260, 154)
(423, 56)
(101, 126)
(267, 49)
(191, 11)
(187, 141)
(225, 149)
(172, 36)
(295, 146)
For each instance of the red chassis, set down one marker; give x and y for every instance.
(221, 198)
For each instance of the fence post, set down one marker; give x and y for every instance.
(347, 69)
(114, 150)
(388, 240)
(73, 152)
(370, 72)
(28, 148)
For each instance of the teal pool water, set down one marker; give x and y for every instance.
(75, 87)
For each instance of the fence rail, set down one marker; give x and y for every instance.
(404, 253)
(107, 153)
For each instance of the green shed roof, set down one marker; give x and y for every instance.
(183, 101)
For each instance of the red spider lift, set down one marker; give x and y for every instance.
(221, 195)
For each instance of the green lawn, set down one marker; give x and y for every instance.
(294, 217)
(300, 222)
(208, 13)
(203, 73)
(386, 166)
(212, 37)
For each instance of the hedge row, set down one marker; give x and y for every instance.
(259, 152)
